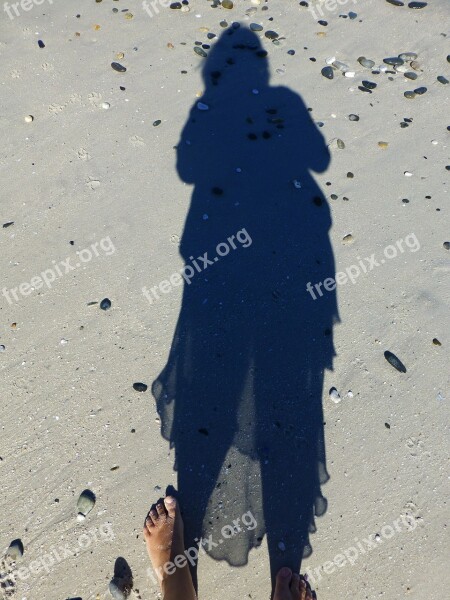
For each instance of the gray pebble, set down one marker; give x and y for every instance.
(409, 95)
(85, 504)
(394, 60)
(442, 79)
(118, 67)
(353, 117)
(15, 550)
(200, 51)
(256, 27)
(446, 245)
(366, 62)
(411, 75)
(408, 56)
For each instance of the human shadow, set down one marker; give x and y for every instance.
(240, 398)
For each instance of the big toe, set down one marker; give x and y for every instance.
(282, 589)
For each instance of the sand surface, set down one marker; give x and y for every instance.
(103, 182)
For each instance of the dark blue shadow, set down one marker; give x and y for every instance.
(240, 398)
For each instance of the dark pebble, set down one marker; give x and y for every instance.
(394, 60)
(105, 304)
(353, 117)
(364, 89)
(417, 5)
(328, 72)
(396, 2)
(446, 245)
(420, 90)
(156, 123)
(323, 23)
(8, 224)
(409, 95)
(140, 387)
(436, 342)
(272, 35)
(352, 15)
(387, 425)
(118, 67)
(175, 5)
(394, 361)
(442, 79)
(411, 75)
(41, 44)
(291, 52)
(370, 85)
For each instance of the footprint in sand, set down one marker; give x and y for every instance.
(7, 579)
(15, 74)
(136, 140)
(75, 99)
(54, 109)
(47, 67)
(94, 98)
(415, 445)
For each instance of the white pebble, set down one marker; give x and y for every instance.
(202, 106)
(106, 105)
(29, 119)
(349, 73)
(330, 60)
(2, 348)
(334, 395)
(408, 174)
(434, 142)
(350, 394)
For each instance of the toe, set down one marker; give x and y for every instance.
(171, 506)
(303, 589)
(284, 576)
(295, 585)
(153, 516)
(160, 509)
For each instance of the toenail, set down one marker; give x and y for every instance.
(285, 572)
(170, 500)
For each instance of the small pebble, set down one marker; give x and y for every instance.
(394, 361)
(106, 105)
(175, 5)
(394, 60)
(328, 72)
(118, 67)
(411, 75)
(446, 245)
(420, 91)
(140, 387)
(15, 550)
(200, 52)
(105, 304)
(417, 5)
(442, 79)
(409, 95)
(436, 342)
(383, 145)
(365, 62)
(157, 122)
(353, 117)
(29, 119)
(85, 504)
(340, 66)
(8, 224)
(256, 27)
(2, 348)
(334, 395)
(370, 85)
(396, 2)
(271, 35)
(415, 65)
(227, 4)
(408, 56)
(41, 44)
(348, 239)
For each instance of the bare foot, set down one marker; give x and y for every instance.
(163, 534)
(291, 586)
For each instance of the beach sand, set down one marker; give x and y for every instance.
(93, 207)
